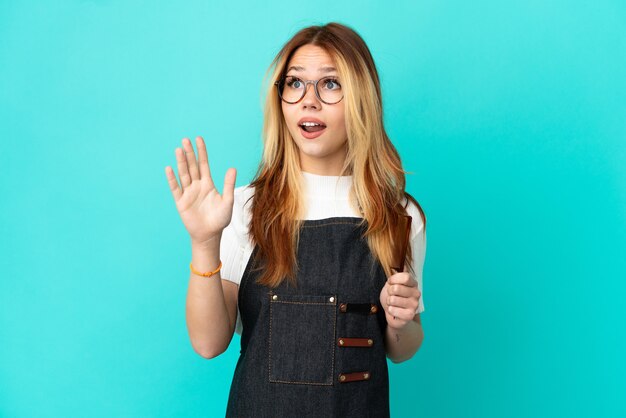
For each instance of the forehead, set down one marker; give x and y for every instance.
(311, 59)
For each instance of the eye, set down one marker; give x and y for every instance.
(331, 84)
(293, 82)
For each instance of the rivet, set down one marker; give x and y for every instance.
(342, 377)
(370, 342)
(275, 297)
(374, 309)
(366, 375)
(340, 341)
(332, 299)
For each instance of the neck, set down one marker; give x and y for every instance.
(330, 165)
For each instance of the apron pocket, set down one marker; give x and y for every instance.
(302, 339)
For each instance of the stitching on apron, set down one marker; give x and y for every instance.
(332, 367)
(330, 223)
(302, 303)
(269, 344)
(269, 348)
(304, 383)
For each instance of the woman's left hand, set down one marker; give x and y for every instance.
(400, 299)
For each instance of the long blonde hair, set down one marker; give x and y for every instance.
(378, 187)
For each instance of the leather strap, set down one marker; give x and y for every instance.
(354, 342)
(354, 377)
(362, 308)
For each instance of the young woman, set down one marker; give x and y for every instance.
(299, 261)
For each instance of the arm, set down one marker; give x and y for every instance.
(211, 302)
(404, 334)
(402, 300)
(402, 343)
(211, 309)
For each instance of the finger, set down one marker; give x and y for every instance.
(394, 271)
(203, 161)
(171, 180)
(191, 159)
(400, 302)
(402, 290)
(228, 192)
(183, 171)
(401, 313)
(403, 278)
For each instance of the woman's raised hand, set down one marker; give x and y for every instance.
(203, 211)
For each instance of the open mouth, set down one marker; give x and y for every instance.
(312, 126)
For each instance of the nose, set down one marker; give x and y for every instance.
(310, 99)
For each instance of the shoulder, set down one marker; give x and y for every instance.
(243, 194)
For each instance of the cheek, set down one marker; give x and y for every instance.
(340, 122)
(289, 125)
(286, 114)
(340, 118)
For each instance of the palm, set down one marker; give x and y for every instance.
(204, 212)
(201, 208)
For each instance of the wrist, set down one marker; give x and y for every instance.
(404, 328)
(205, 256)
(209, 243)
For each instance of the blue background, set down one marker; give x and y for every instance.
(510, 115)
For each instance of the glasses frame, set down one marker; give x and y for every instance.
(306, 87)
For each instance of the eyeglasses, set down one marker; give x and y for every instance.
(292, 89)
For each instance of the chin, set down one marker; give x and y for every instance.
(311, 150)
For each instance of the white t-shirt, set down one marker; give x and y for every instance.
(327, 197)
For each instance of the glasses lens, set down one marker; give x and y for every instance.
(291, 89)
(329, 90)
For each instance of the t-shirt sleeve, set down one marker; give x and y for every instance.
(418, 249)
(231, 253)
(232, 244)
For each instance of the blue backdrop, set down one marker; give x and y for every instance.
(509, 114)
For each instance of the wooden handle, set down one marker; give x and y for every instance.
(401, 242)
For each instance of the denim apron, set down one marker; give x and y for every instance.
(316, 349)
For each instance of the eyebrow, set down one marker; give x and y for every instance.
(321, 70)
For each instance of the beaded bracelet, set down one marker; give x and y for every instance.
(208, 274)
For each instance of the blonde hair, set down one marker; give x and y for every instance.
(378, 187)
